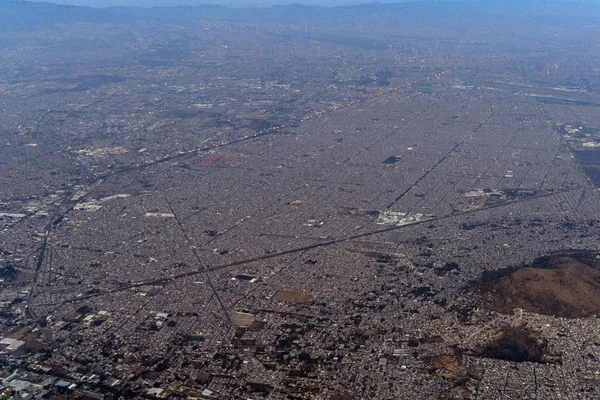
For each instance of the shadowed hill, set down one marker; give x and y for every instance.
(561, 285)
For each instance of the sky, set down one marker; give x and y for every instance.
(231, 3)
(239, 3)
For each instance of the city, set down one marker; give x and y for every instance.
(210, 203)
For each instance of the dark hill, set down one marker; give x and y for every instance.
(562, 285)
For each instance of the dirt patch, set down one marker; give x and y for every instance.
(286, 296)
(517, 344)
(341, 396)
(449, 363)
(242, 319)
(371, 332)
(564, 284)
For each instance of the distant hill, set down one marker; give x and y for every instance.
(20, 14)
